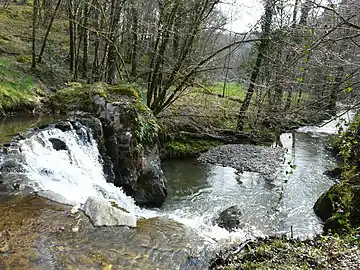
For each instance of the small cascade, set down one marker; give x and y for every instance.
(330, 126)
(74, 171)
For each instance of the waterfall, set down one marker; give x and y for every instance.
(75, 173)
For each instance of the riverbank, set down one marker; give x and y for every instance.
(323, 252)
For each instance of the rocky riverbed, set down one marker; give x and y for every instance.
(244, 157)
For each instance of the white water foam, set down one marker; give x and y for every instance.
(330, 126)
(75, 173)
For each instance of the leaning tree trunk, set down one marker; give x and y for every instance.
(260, 57)
(48, 31)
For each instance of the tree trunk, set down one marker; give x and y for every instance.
(48, 31)
(33, 40)
(260, 57)
(72, 37)
(111, 66)
(134, 55)
(86, 41)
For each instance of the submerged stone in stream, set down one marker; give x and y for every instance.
(102, 213)
(229, 219)
(242, 157)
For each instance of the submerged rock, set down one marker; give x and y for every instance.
(102, 213)
(11, 166)
(229, 219)
(58, 144)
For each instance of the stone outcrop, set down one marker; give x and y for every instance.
(58, 144)
(131, 143)
(102, 213)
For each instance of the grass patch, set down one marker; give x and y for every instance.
(17, 89)
(231, 89)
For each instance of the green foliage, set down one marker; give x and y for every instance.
(345, 197)
(146, 129)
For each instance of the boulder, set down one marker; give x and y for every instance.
(334, 173)
(229, 219)
(323, 207)
(58, 144)
(102, 213)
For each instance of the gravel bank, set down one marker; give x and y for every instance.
(243, 157)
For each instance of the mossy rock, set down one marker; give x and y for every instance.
(339, 208)
(124, 89)
(188, 148)
(76, 96)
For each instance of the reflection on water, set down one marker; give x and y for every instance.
(10, 126)
(200, 191)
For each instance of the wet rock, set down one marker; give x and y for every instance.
(63, 126)
(323, 207)
(11, 166)
(102, 213)
(17, 186)
(230, 218)
(55, 197)
(332, 225)
(242, 157)
(58, 144)
(334, 173)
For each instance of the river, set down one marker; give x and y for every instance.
(184, 229)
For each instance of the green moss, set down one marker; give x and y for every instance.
(188, 148)
(24, 58)
(77, 96)
(124, 89)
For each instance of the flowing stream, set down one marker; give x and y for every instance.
(197, 192)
